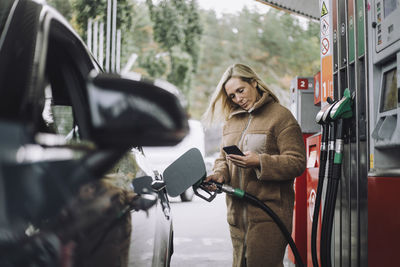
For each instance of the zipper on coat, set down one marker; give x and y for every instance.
(240, 143)
(241, 186)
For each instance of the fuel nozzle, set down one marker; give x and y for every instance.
(322, 115)
(323, 119)
(225, 189)
(342, 108)
(202, 190)
(202, 186)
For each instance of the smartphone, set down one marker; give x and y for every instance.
(233, 150)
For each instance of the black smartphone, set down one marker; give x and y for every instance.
(233, 150)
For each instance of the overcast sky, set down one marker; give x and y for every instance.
(231, 6)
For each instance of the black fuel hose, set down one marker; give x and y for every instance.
(330, 213)
(328, 198)
(333, 185)
(321, 176)
(255, 201)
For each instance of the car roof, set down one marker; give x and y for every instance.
(5, 7)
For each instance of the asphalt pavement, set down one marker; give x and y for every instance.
(201, 235)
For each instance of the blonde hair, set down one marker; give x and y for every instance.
(220, 106)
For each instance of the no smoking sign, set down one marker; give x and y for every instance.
(324, 46)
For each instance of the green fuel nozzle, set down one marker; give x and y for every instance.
(342, 109)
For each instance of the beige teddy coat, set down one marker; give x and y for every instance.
(270, 130)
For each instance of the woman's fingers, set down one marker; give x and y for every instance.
(211, 177)
(215, 178)
(250, 159)
(237, 160)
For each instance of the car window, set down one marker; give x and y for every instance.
(58, 119)
(63, 119)
(67, 66)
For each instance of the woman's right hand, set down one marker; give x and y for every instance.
(214, 178)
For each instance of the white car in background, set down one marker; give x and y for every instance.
(159, 158)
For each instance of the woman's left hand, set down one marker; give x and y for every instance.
(249, 160)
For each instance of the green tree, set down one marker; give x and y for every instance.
(86, 9)
(177, 29)
(155, 68)
(192, 32)
(83, 10)
(276, 44)
(191, 48)
(62, 6)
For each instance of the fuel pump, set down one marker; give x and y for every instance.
(338, 113)
(365, 59)
(360, 50)
(303, 108)
(384, 146)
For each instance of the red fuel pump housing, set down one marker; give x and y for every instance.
(303, 109)
(299, 228)
(383, 220)
(313, 144)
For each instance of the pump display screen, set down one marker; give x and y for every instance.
(389, 91)
(389, 6)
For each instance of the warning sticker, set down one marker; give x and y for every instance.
(324, 10)
(324, 27)
(324, 46)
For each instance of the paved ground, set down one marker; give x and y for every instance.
(201, 234)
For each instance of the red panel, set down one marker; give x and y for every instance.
(299, 231)
(383, 221)
(302, 83)
(313, 144)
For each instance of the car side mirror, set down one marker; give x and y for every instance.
(128, 112)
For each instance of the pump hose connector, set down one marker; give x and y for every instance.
(232, 191)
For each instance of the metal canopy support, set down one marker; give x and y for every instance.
(307, 8)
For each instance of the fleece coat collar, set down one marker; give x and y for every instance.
(266, 98)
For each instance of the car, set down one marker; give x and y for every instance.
(159, 158)
(67, 130)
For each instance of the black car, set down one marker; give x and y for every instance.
(66, 133)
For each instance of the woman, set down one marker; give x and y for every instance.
(274, 155)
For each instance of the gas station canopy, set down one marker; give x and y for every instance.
(307, 8)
